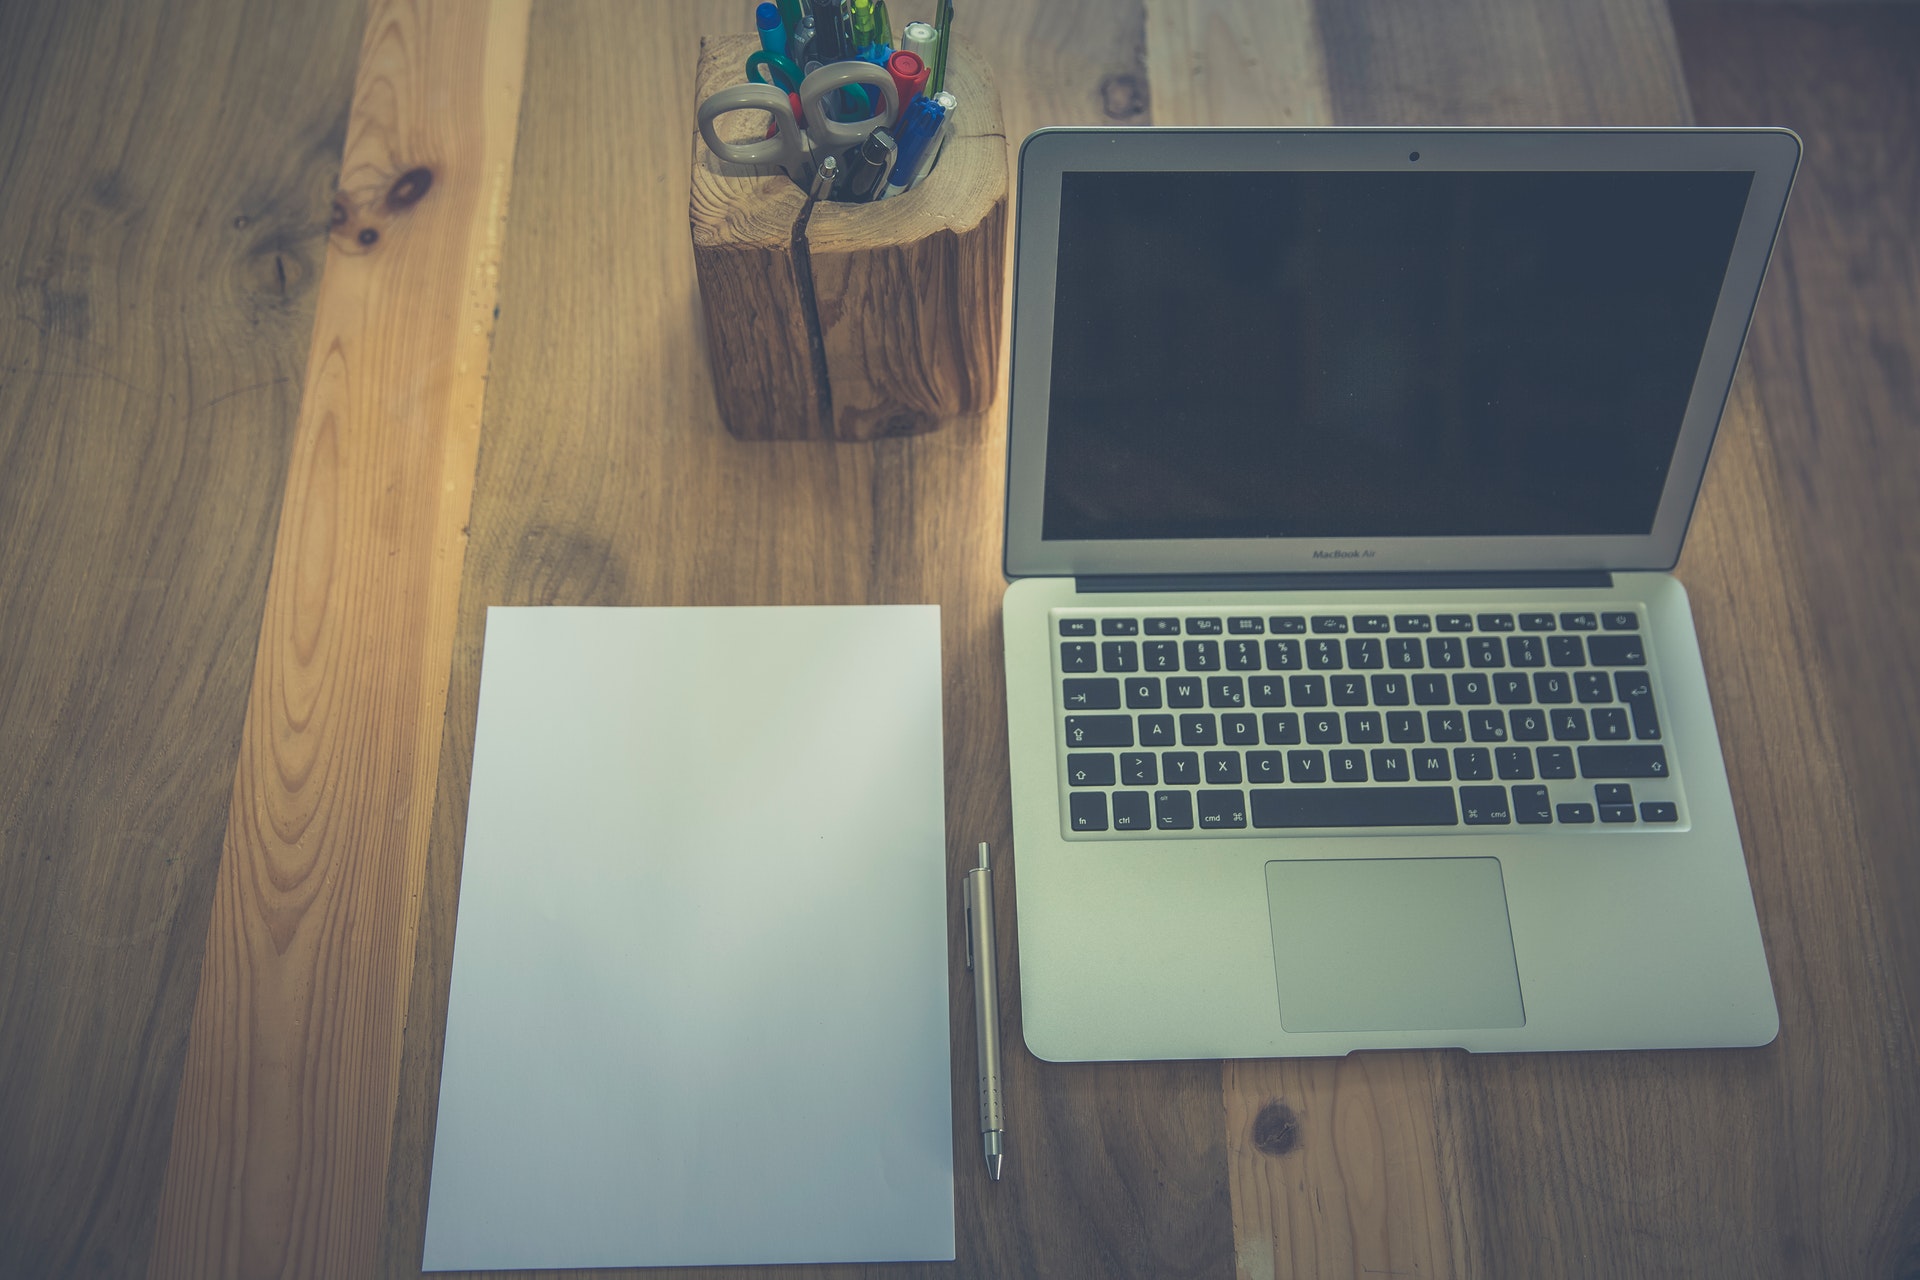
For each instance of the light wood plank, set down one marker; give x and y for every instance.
(1236, 62)
(281, 1131)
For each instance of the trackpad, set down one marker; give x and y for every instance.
(1393, 944)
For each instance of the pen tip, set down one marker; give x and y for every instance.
(993, 1166)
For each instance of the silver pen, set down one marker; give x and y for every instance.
(986, 1011)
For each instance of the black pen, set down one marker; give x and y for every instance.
(868, 163)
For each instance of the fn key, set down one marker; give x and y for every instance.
(1087, 810)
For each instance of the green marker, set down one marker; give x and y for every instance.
(882, 29)
(944, 24)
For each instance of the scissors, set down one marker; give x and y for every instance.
(789, 146)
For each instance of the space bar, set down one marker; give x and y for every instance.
(1338, 806)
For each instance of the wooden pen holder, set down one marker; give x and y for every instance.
(852, 321)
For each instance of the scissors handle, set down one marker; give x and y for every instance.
(786, 148)
(838, 135)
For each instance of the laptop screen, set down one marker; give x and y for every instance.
(1367, 354)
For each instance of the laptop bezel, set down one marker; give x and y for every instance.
(1771, 155)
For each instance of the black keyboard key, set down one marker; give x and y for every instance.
(1245, 626)
(1623, 762)
(1184, 692)
(1077, 655)
(1569, 724)
(1637, 692)
(1143, 692)
(1348, 691)
(1131, 811)
(1574, 812)
(1089, 768)
(1445, 651)
(1364, 726)
(1659, 811)
(1496, 621)
(1447, 726)
(1306, 766)
(1578, 622)
(1529, 725)
(1389, 765)
(1182, 768)
(1412, 622)
(1566, 651)
(1139, 769)
(1283, 655)
(1513, 763)
(1454, 622)
(1355, 807)
(1267, 691)
(1087, 810)
(1307, 691)
(1323, 655)
(1119, 655)
(1347, 766)
(1403, 653)
(1620, 621)
(1389, 691)
(1221, 767)
(1324, 625)
(1370, 623)
(1610, 724)
(1554, 762)
(1431, 691)
(1156, 731)
(1222, 810)
(1266, 766)
(1173, 810)
(1293, 625)
(1484, 651)
(1525, 651)
(1198, 731)
(1323, 728)
(1119, 627)
(1162, 655)
(1203, 626)
(1090, 695)
(1616, 651)
(1076, 626)
(1552, 686)
(1226, 691)
(1099, 731)
(1363, 653)
(1470, 690)
(1280, 729)
(1163, 626)
(1536, 622)
(1616, 813)
(1612, 793)
(1239, 729)
(1243, 655)
(1593, 686)
(1484, 806)
(1201, 655)
(1431, 766)
(1530, 805)
(1511, 688)
(1487, 726)
(1405, 726)
(1473, 764)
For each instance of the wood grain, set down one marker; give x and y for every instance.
(284, 1110)
(164, 175)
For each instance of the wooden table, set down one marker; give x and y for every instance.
(270, 444)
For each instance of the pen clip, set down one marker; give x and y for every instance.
(969, 911)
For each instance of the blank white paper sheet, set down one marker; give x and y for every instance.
(699, 999)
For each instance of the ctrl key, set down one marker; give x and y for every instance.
(1087, 810)
(1131, 811)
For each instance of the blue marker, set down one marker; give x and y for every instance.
(773, 33)
(918, 123)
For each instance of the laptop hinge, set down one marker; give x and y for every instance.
(1343, 581)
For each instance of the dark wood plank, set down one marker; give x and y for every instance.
(164, 177)
(607, 478)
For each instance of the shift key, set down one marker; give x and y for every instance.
(1623, 762)
(1107, 731)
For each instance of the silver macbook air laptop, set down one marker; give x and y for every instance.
(1351, 703)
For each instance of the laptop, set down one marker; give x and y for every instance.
(1351, 703)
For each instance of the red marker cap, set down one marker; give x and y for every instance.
(909, 74)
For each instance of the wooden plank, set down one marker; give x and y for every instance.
(1236, 62)
(164, 173)
(280, 1138)
(609, 479)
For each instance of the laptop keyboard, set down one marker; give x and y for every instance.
(1211, 722)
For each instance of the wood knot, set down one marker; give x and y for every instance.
(368, 236)
(1123, 96)
(408, 188)
(1276, 1130)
